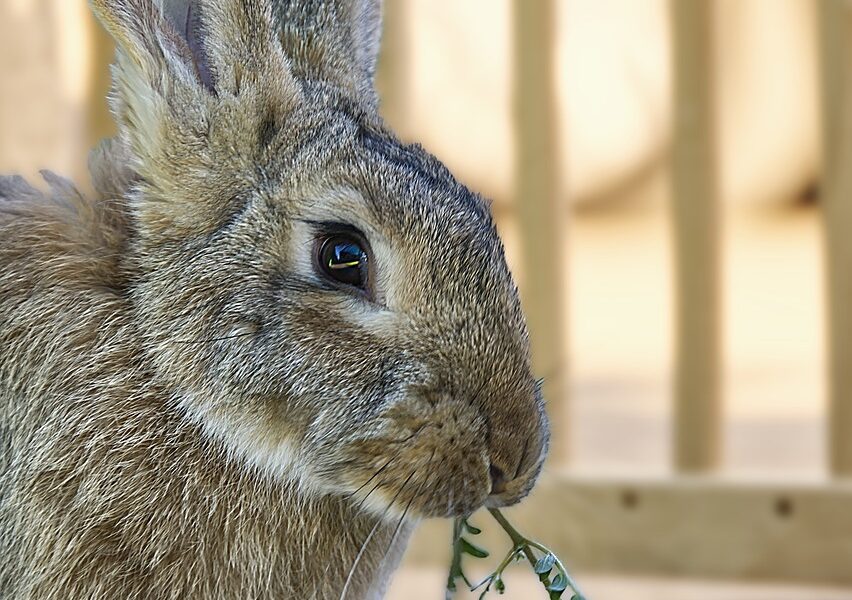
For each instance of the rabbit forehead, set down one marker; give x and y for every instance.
(442, 249)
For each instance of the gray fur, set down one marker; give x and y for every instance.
(187, 410)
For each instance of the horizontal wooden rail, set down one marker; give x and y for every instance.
(689, 526)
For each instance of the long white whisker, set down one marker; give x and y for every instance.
(405, 512)
(375, 528)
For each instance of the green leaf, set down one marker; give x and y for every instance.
(473, 530)
(559, 583)
(544, 564)
(469, 548)
(555, 595)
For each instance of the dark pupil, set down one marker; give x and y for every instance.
(344, 261)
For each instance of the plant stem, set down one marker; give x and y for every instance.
(525, 545)
(517, 539)
(455, 565)
(507, 560)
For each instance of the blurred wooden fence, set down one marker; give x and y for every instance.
(695, 522)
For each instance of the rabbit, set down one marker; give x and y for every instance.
(271, 341)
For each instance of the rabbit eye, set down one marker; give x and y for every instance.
(343, 259)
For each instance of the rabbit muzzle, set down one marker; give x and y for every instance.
(513, 473)
(439, 456)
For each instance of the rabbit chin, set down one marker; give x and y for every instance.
(438, 490)
(433, 475)
(424, 499)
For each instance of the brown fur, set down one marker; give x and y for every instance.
(187, 410)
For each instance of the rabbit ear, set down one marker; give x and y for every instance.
(332, 40)
(365, 25)
(148, 44)
(184, 16)
(207, 42)
(192, 77)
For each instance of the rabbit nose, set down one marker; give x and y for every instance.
(498, 479)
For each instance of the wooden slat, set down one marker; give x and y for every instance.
(696, 254)
(691, 527)
(836, 66)
(393, 79)
(541, 209)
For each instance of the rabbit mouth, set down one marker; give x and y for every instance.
(440, 486)
(440, 468)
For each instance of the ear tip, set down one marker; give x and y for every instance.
(124, 14)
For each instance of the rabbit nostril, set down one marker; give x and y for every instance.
(498, 480)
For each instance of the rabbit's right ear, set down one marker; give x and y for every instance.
(195, 85)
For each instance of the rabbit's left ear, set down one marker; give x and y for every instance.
(364, 18)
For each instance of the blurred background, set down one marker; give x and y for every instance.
(655, 167)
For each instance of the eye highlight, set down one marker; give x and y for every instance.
(343, 259)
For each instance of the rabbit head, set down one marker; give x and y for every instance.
(328, 303)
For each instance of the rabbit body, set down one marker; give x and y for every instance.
(105, 490)
(191, 406)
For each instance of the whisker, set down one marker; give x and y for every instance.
(379, 484)
(374, 475)
(375, 528)
(399, 523)
(384, 466)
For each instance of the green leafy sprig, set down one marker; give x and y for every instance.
(550, 570)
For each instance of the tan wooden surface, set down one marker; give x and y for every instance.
(836, 63)
(393, 79)
(427, 584)
(700, 527)
(541, 211)
(696, 240)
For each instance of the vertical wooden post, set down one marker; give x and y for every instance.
(697, 409)
(542, 212)
(394, 65)
(836, 65)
